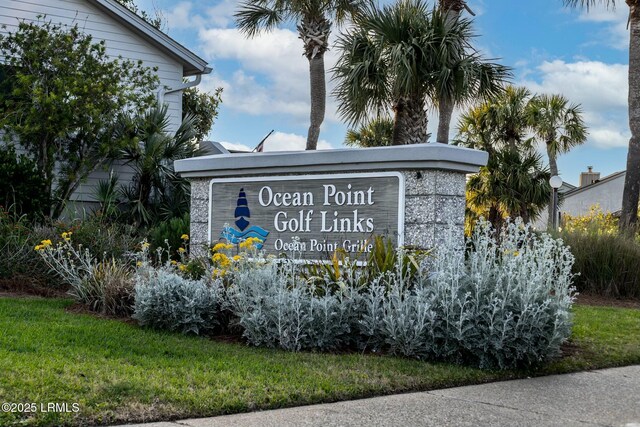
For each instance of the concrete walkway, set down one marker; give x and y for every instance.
(609, 397)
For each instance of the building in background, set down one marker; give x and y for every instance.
(576, 201)
(127, 35)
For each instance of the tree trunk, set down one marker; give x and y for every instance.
(445, 111)
(631, 194)
(318, 99)
(410, 124)
(553, 168)
(314, 33)
(453, 10)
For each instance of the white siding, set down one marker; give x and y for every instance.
(120, 41)
(606, 194)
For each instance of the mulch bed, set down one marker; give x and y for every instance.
(602, 301)
(24, 286)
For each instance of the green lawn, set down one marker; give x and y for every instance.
(118, 372)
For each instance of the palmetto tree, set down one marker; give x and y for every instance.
(390, 61)
(314, 19)
(151, 155)
(500, 122)
(377, 132)
(559, 125)
(514, 181)
(631, 194)
(405, 55)
(465, 79)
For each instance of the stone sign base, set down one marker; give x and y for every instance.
(434, 179)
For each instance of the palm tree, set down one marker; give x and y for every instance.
(512, 184)
(631, 193)
(559, 125)
(514, 181)
(390, 61)
(374, 133)
(498, 123)
(404, 55)
(155, 185)
(314, 19)
(467, 79)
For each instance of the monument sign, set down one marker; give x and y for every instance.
(309, 216)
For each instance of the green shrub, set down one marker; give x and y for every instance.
(607, 263)
(22, 188)
(18, 237)
(168, 235)
(103, 238)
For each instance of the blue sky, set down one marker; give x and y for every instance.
(552, 50)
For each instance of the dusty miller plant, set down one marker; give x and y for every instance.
(498, 305)
(166, 300)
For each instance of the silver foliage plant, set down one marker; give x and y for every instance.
(497, 305)
(277, 308)
(503, 302)
(166, 300)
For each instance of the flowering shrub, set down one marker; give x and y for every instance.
(595, 222)
(104, 286)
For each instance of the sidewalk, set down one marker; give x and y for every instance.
(609, 397)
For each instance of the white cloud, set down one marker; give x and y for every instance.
(281, 141)
(609, 138)
(182, 16)
(600, 88)
(593, 84)
(615, 34)
(221, 15)
(273, 75)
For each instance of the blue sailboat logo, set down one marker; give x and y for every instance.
(242, 211)
(242, 215)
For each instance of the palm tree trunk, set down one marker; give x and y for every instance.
(410, 124)
(318, 99)
(631, 194)
(453, 10)
(445, 111)
(553, 168)
(314, 32)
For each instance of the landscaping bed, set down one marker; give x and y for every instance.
(118, 372)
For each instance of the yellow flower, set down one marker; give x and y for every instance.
(221, 259)
(182, 267)
(174, 262)
(222, 246)
(237, 258)
(185, 237)
(250, 242)
(218, 273)
(38, 248)
(145, 245)
(139, 264)
(182, 250)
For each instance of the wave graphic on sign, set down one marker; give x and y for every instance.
(242, 213)
(234, 236)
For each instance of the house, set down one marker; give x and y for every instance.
(576, 201)
(605, 192)
(127, 35)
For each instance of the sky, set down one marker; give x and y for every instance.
(552, 49)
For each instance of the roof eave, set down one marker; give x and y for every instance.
(192, 63)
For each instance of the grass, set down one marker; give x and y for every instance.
(118, 372)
